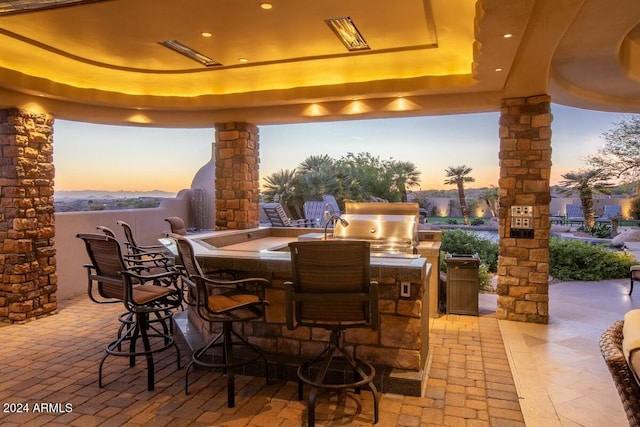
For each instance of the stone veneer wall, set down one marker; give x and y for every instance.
(396, 344)
(237, 151)
(27, 253)
(525, 168)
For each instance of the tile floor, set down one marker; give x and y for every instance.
(557, 375)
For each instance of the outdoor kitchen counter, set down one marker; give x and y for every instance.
(270, 255)
(399, 346)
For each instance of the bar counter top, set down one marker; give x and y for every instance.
(253, 250)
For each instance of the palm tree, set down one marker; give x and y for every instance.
(404, 175)
(490, 198)
(458, 176)
(317, 163)
(280, 187)
(585, 183)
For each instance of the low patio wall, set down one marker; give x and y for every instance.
(71, 255)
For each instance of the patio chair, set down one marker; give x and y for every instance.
(331, 205)
(177, 225)
(314, 211)
(106, 230)
(278, 217)
(134, 248)
(610, 212)
(623, 378)
(153, 294)
(331, 289)
(227, 302)
(574, 214)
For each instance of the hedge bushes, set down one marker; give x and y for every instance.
(577, 260)
(568, 259)
(465, 242)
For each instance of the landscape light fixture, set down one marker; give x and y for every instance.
(190, 53)
(346, 31)
(17, 6)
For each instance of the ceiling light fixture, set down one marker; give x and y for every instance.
(206, 34)
(243, 60)
(346, 31)
(190, 53)
(507, 36)
(17, 6)
(266, 6)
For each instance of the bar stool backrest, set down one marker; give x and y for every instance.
(331, 284)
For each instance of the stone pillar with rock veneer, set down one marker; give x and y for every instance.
(525, 168)
(27, 255)
(237, 160)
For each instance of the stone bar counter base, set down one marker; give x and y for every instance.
(398, 349)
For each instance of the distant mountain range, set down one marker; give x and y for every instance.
(101, 194)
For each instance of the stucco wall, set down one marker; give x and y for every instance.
(148, 226)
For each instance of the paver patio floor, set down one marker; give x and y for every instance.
(51, 364)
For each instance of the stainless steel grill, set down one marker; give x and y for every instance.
(391, 228)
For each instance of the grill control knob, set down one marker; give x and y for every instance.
(372, 230)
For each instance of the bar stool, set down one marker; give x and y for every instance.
(331, 289)
(226, 302)
(142, 295)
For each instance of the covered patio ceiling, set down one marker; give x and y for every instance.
(103, 62)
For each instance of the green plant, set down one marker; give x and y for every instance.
(464, 242)
(577, 260)
(477, 221)
(485, 278)
(601, 230)
(452, 221)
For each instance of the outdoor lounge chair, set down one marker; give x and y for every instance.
(314, 211)
(278, 217)
(574, 214)
(331, 289)
(331, 205)
(610, 212)
(226, 302)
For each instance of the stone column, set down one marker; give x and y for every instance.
(525, 168)
(237, 157)
(27, 255)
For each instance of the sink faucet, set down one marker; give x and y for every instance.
(334, 218)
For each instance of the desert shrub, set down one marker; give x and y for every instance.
(464, 242)
(577, 260)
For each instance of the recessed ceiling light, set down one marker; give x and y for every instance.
(507, 36)
(266, 6)
(347, 32)
(243, 60)
(189, 53)
(206, 34)
(498, 69)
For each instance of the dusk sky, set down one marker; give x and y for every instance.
(99, 157)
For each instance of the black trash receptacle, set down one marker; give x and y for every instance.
(463, 283)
